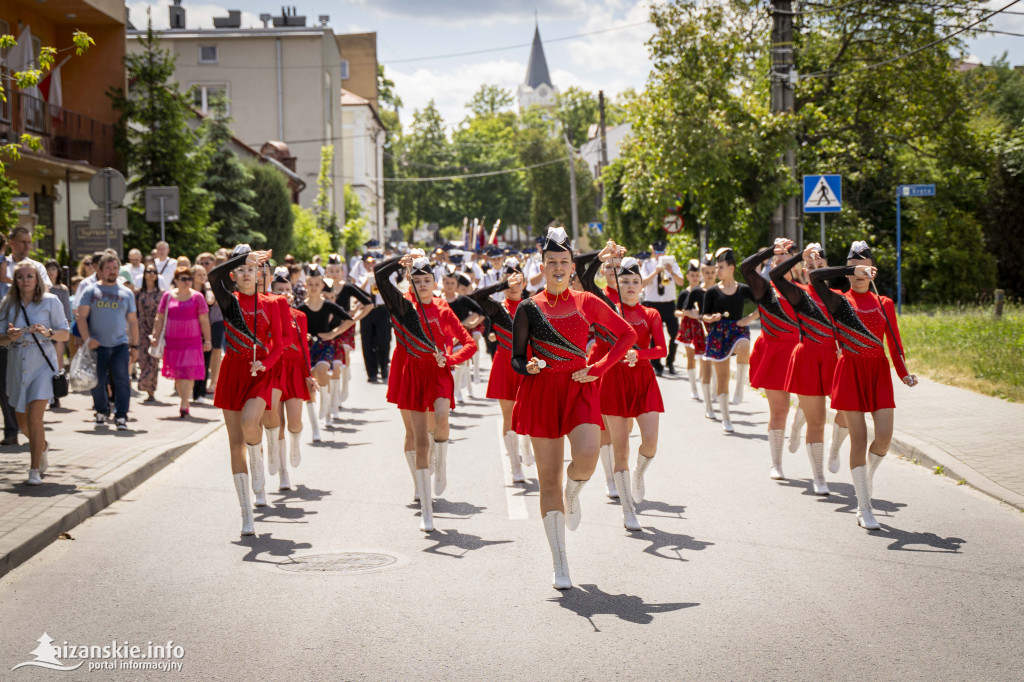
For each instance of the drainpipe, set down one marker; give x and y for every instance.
(280, 95)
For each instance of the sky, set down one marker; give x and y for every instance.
(411, 32)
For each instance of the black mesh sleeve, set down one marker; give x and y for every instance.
(819, 280)
(521, 338)
(393, 298)
(758, 284)
(792, 292)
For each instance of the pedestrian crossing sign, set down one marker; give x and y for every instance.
(823, 193)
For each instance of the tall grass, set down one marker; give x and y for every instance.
(967, 346)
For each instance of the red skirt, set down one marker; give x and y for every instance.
(293, 378)
(551, 404)
(236, 386)
(769, 363)
(504, 381)
(340, 351)
(811, 367)
(861, 384)
(348, 338)
(630, 391)
(419, 384)
(395, 372)
(691, 334)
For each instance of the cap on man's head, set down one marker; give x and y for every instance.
(658, 246)
(372, 244)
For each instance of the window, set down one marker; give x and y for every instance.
(205, 94)
(207, 54)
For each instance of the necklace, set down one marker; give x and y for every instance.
(558, 297)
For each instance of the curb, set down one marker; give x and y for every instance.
(932, 456)
(38, 533)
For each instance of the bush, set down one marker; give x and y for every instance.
(308, 239)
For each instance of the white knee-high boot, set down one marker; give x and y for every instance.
(272, 454)
(607, 461)
(314, 423)
(692, 375)
(512, 451)
(459, 373)
(242, 488)
(865, 517)
(285, 481)
(554, 528)
(440, 466)
(874, 461)
(325, 401)
(476, 365)
(335, 410)
(526, 447)
(639, 491)
(796, 429)
(723, 406)
(741, 378)
(839, 434)
(714, 382)
(816, 453)
(256, 467)
(629, 519)
(294, 448)
(410, 459)
(343, 395)
(709, 407)
(775, 439)
(426, 502)
(571, 497)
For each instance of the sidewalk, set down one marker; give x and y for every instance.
(973, 437)
(91, 466)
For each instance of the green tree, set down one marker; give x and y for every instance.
(577, 110)
(326, 217)
(272, 203)
(490, 100)
(386, 93)
(309, 238)
(160, 149)
(354, 234)
(229, 183)
(8, 213)
(426, 152)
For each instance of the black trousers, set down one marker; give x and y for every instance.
(667, 310)
(375, 331)
(10, 420)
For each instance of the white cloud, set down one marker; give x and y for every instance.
(196, 16)
(451, 89)
(476, 12)
(620, 53)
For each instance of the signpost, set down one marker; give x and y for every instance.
(595, 228)
(823, 194)
(672, 223)
(905, 191)
(162, 204)
(106, 189)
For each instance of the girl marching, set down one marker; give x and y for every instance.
(691, 331)
(421, 380)
(244, 385)
(558, 398)
(862, 382)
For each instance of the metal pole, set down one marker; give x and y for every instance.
(784, 221)
(822, 242)
(107, 211)
(572, 194)
(163, 238)
(899, 254)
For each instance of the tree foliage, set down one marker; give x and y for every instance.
(229, 183)
(272, 203)
(309, 239)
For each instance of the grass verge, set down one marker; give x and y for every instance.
(967, 347)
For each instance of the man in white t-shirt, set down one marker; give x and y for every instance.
(165, 266)
(661, 275)
(136, 267)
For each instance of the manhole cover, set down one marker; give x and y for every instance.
(341, 562)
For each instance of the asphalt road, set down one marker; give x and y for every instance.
(735, 577)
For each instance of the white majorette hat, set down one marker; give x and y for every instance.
(240, 249)
(511, 265)
(629, 266)
(860, 250)
(556, 240)
(421, 266)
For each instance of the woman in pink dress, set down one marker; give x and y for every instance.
(184, 319)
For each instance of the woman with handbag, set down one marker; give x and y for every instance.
(183, 324)
(147, 300)
(33, 320)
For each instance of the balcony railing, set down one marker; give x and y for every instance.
(64, 134)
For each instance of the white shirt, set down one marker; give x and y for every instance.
(40, 269)
(651, 294)
(165, 271)
(530, 270)
(358, 270)
(368, 284)
(137, 272)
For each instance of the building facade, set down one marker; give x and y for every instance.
(69, 111)
(363, 162)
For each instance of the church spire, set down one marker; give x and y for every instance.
(537, 69)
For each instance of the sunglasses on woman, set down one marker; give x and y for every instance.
(184, 279)
(150, 272)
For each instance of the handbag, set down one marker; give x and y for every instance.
(157, 351)
(60, 379)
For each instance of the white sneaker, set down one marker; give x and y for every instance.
(33, 477)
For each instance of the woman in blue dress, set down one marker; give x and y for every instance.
(32, 321)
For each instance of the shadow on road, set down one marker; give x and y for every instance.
(588, 601)
(335, 444)
(902, 538)
(667, 511)
(842, 496)
(454, 539)
(455, 510)
(44, 490)
(266, 544)
(528, 488)
(281, 513)
(303, 493)
(669, 545)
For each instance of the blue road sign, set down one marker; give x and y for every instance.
(823, 193)
(917, 190)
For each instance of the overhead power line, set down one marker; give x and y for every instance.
(441, 178)
(938, 41)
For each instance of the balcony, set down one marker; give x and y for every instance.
(64, 134)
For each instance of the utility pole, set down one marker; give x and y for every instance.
(786, 218)
(572, 192)
(604, 152)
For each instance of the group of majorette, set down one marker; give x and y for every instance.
(815, 342)
(277, 357)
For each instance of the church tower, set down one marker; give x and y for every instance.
(537, 89)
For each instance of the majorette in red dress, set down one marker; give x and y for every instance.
(769, 358)
(503, 382)
(550, 403)
(691, 330)
(416, 381)
(249, 320)
(862, 381)
(813, 362)
(295, 361)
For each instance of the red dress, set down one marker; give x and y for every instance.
(503, 382)
(415, 381)
(550, 404)
(769, 358)
(245, 327)
(631, 391)
(295, 361)
(862, 381)
(813, 362)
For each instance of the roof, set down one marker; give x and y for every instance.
(537, 69)
(351, 99)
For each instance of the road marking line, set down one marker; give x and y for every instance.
(516, 502)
